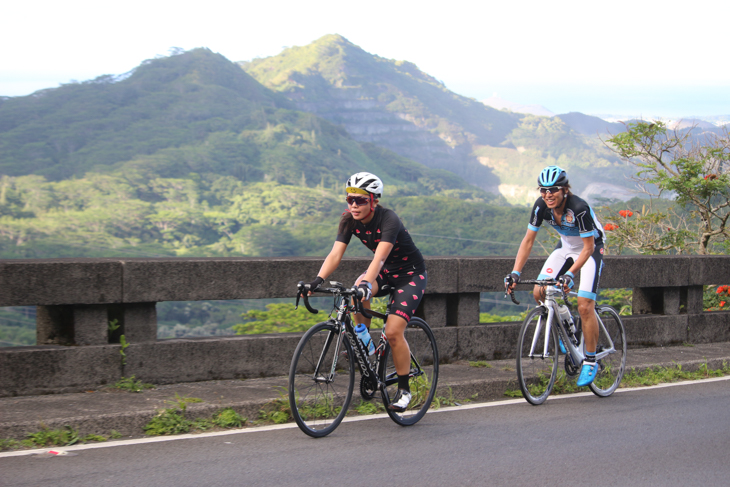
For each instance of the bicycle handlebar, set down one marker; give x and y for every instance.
(303, 292)
(559, 282)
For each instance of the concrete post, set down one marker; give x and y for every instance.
(691, 298)
(140, 322)
(91, 325)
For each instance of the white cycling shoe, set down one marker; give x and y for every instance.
(401, 401)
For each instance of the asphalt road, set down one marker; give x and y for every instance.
(666, 436)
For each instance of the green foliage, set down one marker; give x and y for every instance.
(480, 364)
(618, 299)
(228, 418)
(659, 375)
(716, 298)
(168, 422)
(122, 348)
(491, 318)
(129, 384)
(8, 444)
(632, 378)
(181, 402)
(278, 410)
(369, 407)
(695, 174)
(48, 437)
(278, 318)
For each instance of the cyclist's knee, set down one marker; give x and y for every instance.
(395, 328)
(538, 292)
(585, 306)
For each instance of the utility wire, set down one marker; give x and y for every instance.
(459, 238)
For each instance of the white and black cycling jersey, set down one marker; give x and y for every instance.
(578, 221)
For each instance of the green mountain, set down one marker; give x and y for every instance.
(189, 155)
(389, 103)
(192, 112)
(395, 105)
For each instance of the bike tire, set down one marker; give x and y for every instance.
(610, 368)
(424, 373)
(536, 375)
(318, 404)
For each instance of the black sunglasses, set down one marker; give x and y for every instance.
(358, 200)
(550, 190)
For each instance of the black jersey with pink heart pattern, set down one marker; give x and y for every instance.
(386, 227)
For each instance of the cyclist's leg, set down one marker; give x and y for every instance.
(556, 264)
(590, 274)
(409, 286)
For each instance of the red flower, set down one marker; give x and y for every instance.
(722, 303)
(610, 226)
(626, 213)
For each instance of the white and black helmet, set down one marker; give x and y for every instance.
(365, 183)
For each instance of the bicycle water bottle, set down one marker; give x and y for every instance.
(566, 317)
(364, 335)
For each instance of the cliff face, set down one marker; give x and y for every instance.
(388, 103)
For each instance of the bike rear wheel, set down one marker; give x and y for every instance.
(423, 374)
(536, 374)
(321, 379)
(611, 367)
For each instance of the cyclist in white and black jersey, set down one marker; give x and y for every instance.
(580, 249)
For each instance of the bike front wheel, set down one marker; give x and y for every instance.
(611, 337)
(321, 379)
(537, 357)
(423, 374)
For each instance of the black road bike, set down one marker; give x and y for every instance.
(322, 372)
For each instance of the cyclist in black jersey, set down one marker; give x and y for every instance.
(397, 262)
(580, 249)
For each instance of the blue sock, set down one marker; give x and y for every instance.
(590, 356)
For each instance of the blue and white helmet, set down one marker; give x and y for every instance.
(552, 176)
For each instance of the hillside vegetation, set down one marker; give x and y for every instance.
(395, 105)
(189, 155)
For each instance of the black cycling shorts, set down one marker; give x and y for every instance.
(409, 283)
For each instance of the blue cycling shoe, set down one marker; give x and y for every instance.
(587, 373)
(562, 347)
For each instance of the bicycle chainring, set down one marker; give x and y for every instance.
(367, 388)
(570, 368)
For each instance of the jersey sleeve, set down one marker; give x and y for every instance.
(390, 225)
(344, 238)
(536, 216)
(584, 218)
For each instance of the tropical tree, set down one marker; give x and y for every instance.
(690, 170)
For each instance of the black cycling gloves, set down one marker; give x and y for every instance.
(365, 289)
(314, 285)
(512, 278)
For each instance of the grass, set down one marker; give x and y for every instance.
(44, 437)
(172, 421)
(129, 384)
(480, 364)
(632, 378)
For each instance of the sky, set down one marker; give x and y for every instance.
(636, 58)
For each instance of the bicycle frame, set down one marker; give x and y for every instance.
(577, 353)
(345, 330)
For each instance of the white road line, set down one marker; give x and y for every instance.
(260, 429)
